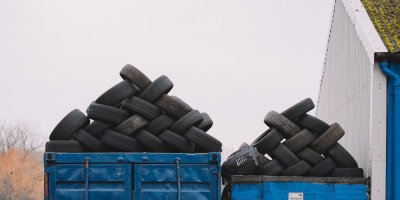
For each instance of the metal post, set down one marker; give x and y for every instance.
(87, 178)
(178, 176)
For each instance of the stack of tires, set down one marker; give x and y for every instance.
(296, 144)
(135, 115)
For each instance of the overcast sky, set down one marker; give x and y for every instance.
(235, 60)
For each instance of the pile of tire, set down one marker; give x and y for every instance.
(135, 115)
(296, 144)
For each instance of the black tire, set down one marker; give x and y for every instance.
(348, 172)
(152, 142)
(228, 171)
(299, 141)
(299, 169)
(96, 128)
(176, 141)
(131, 125)
(342, 157)
(312, 123)
(310, 156)
(162, 85)
(64, 146)
(203, 140)
(141, 107)
(192, 118)
(261, 159)
(160, 124)
(270, 140)
(120, 142)
(135, 76)
(89, 141)
(207, 122)
(173, 106)
(324, 168)
(284, 125)
(298, 109)
(283, 154)
(293, 113)
(327, 139)
(107, 114)
(71, 123)
(115, 95)
(226, 193)
(272, 168)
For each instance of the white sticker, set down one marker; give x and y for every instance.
(296, 196)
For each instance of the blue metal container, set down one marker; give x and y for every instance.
(132, 176)
(298, 188)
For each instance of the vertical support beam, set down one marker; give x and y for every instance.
(87, 178)
(377, 133)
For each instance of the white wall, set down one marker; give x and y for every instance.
(353, 93)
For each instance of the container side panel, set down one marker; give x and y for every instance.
(105, 181)
(281, 190)
(350, 192)
(247, 191)
(197, 181)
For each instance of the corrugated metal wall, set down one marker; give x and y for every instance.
(353, 91)
(345, 86)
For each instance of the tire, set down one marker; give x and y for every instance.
(141, 107)
(117, 94)
(327, 139)
(160, 124)
(342, 157)
(226, 193)
(284, 125)
(299, 141)
(312, 123)
(283, 154)
(203, 140)
(71, 123)
(348, 172)
(107, 114)
(152, 142)
(207, 122)
(228, 171)
(262, 160)
(298, 109)
(310, 156)
(272, 168)
(299, 169)
(64, 146)
(131, 125)
(324, 168)
(270, 140)
(293, 113)
(176, 141)
(192, 118)
(96, 128)
(89, 141)
(135, 76)
(162, 85)
(120, 142)
(173, 106)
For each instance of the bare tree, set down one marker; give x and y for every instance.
(19, 134)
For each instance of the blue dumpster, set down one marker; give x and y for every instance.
(132, 176)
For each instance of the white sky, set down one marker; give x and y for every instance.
(235, 60)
